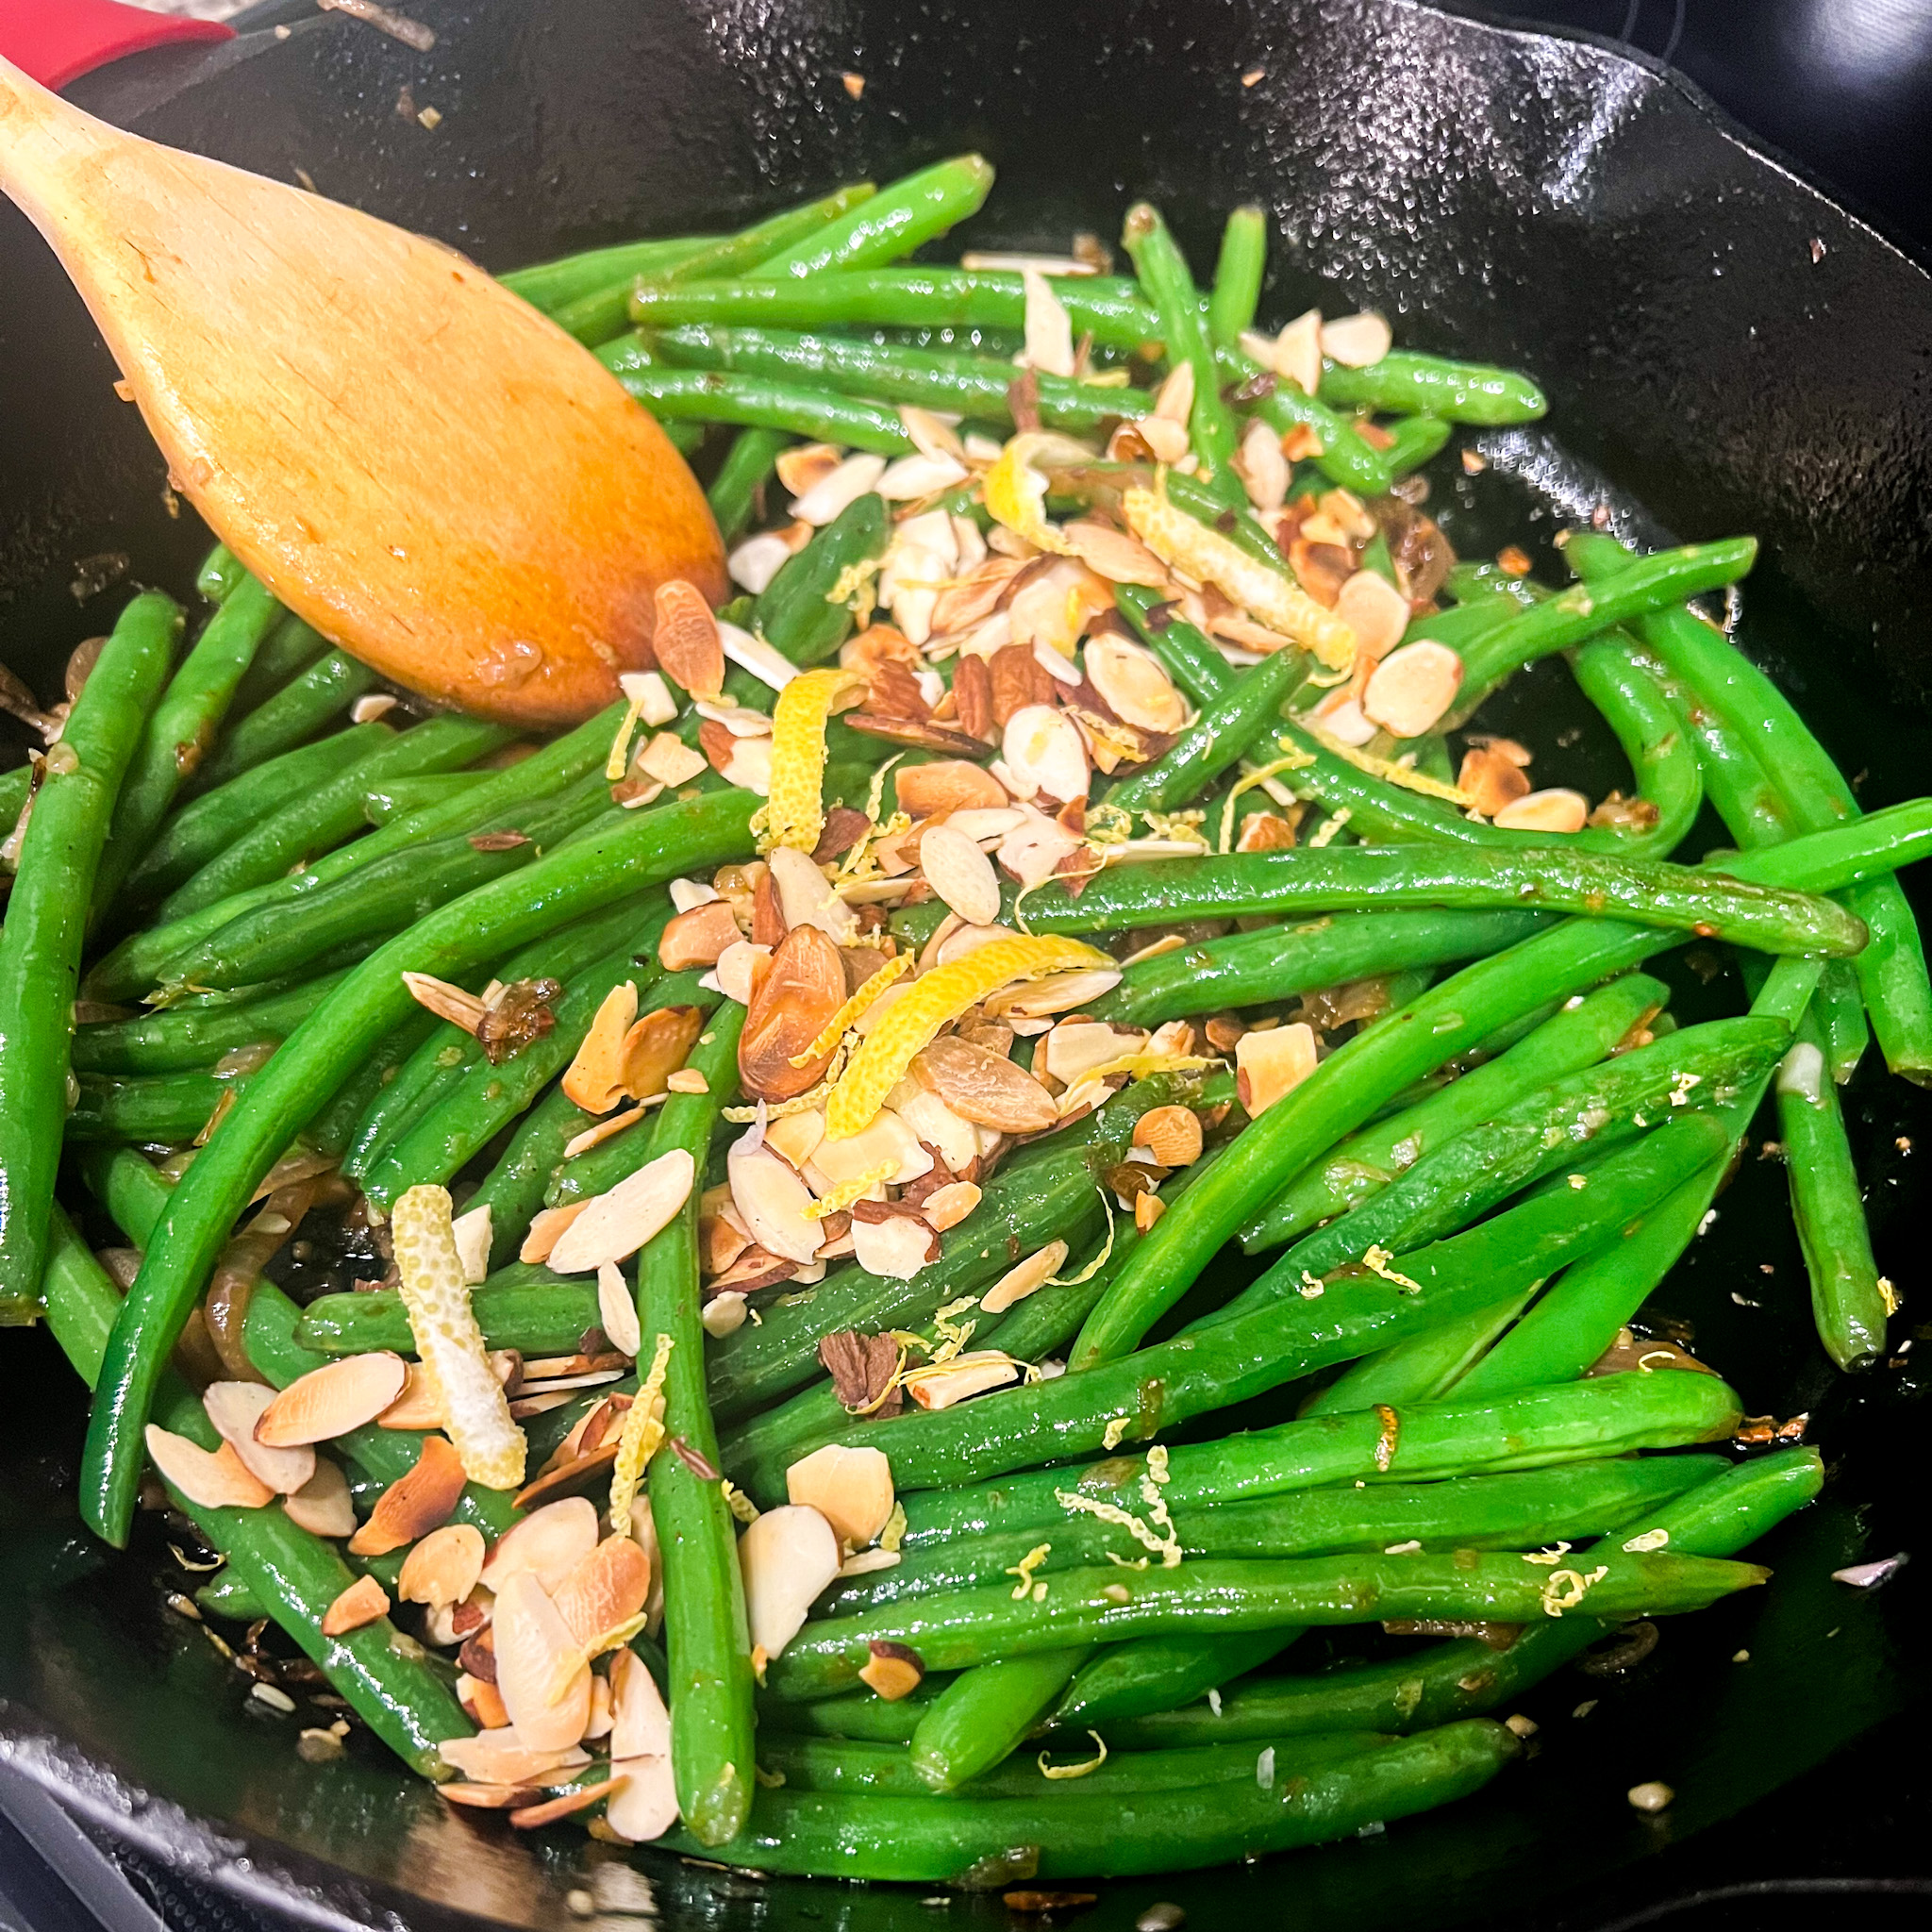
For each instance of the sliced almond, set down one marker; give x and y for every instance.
(332, 1400)
(547, 1227)
(1033, 852)
(1043, 749)
(321, 1505)
(1558, 809)
(803, 989)
(443, 1567)
(1491, 779)
(1410, 689)
(640, 1723)
(1060, 993)
(724, 1314)
(741, 967)
(936, 1124)
(1023, 1279)
(949, 1206)
(806, 897)
(503, 1758)
(1272, 1063)
(1264, 471)
(895, 1248)
(948, 785)
(1297, 353)
(891, 1670)
(1340, 716)
(1356, 340)
(644, 1806)
(1171, 1134)
(697, 937)
(796, 1136)
(541, 1671)
(758, 560)
(482, 1702)
(604, 1591)
(1114, 554)
(419, 1406)
(965, 1376)
(1165, 437)
(852, 1489)
(1148, 1209)
(1137, 689)
(960, 874)
(217, 1479)
(363, 1602)
(617, 1311)
(235, 1408)
(608, 1128)
(669, 760)
(1075, 1047)
(806, 464)
(884, 1142)
(657, 1047)
(1378, 614)
(786, 1558)
(474, 1232)
(451, 1003)
(648, 691)
(579, 1798)
(549, 1544)
(685, 639)
(595, 1078)
(983, 1087)
(773, 1201)
(616, 1223)
(414, 1503)
(914, 477)
(839, 489)
(1054, 604)
(1173, 401)
(1265, 831)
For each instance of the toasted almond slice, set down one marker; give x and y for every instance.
(968, 1374)
(448, 1002)
(984, 1087)
(1558, 809)
(321, 1505)
(936, 1124)
(1148, 1209)
(657, 1047)
(1020, 1281)
(503, 1759)
(599, 1725)
(1263, 831)
(1053, 606)
(669, 760)
(547, 1227)
(474, 1232)
(685, 639)
(949, 1206)
(804, 987)
(1114, 554)
(1059, 994)
(1164, 436)
(606, 1129)
(541, 1671)
(332, 1400)
(235, 1408)
(686, 1080)
(639, 1724)
(617, 1308)
(442, 1568)
(948, 785)
(1378, 614)
(697, 937)
(885, 1142)
(414, 1503)
(605, 1590)
(1033, 852)
(796, 1136)
(1410, 689)
(758, 560)
(892, 1671)
(211, 1480)
(960, 874)
(363, 1602)
(1042, 750)
(549, 1543)
(648, 691)
(1297, 351)
(1272, 1063)
(534, 1817)
(1174, 400)
(741, 967)
(1078, 1045)
(1356, 340)
(645, 1807)
(1263, 469)
(839, 489)
(724, 1314)
(1135, 686)
(616, 1223)
(807, 898)
(786, 1558)
(896, 1248)
(1491, 779)
(481, 1701)
(594, 1079)
(852, 1489)
(808, 463)
(1049, 334)
(913, 476)
(1171, 1134)
(773, 1201)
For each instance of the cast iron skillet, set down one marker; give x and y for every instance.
(1721, 344)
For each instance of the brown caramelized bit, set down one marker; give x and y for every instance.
(520, 1013)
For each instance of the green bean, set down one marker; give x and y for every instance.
(291, 717)
(329, 1131)
(176, 1043)
(978, 1719)
(386, 800)
(207, 825)
(522, 1305)
(756, 402)
(1578, 1037)
(1238, 274)
(706, 1634)
(1261, 967)
(227, 1595)
(1891, 969)
(1712, 905)
(47, 918)
(977, 1842)
(1456, 1679)
(859, 1717)
(977, 386)
(310, 823)
(1169, 288)
(178, 733)
(1346, 455)
(1849, 1301)
(1227, 730)
(1415, 440)
(552, 285)
(397, 1692)
(1347, 1090)
(793, 613)
(746, 469)
(288, 651)
(1108, 307)
(1159, 1671)
(643, 849)
(220, 572)
(1456, 391)
(902, 216)
(597, 314)
(972, 1627)
(513, 1189)
(159, 1107)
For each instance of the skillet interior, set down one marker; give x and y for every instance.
(1529, 200)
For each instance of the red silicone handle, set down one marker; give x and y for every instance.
(59, 41)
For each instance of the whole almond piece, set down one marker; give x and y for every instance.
(414, 1503)
(332, 1400)
(803, 987)
(216, 1479)
(686, 642)
(443, 1567)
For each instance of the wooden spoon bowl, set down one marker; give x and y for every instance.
(415, 461)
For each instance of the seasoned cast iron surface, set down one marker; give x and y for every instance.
(1720, 345)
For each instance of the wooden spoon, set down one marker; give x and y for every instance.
(434, 476)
